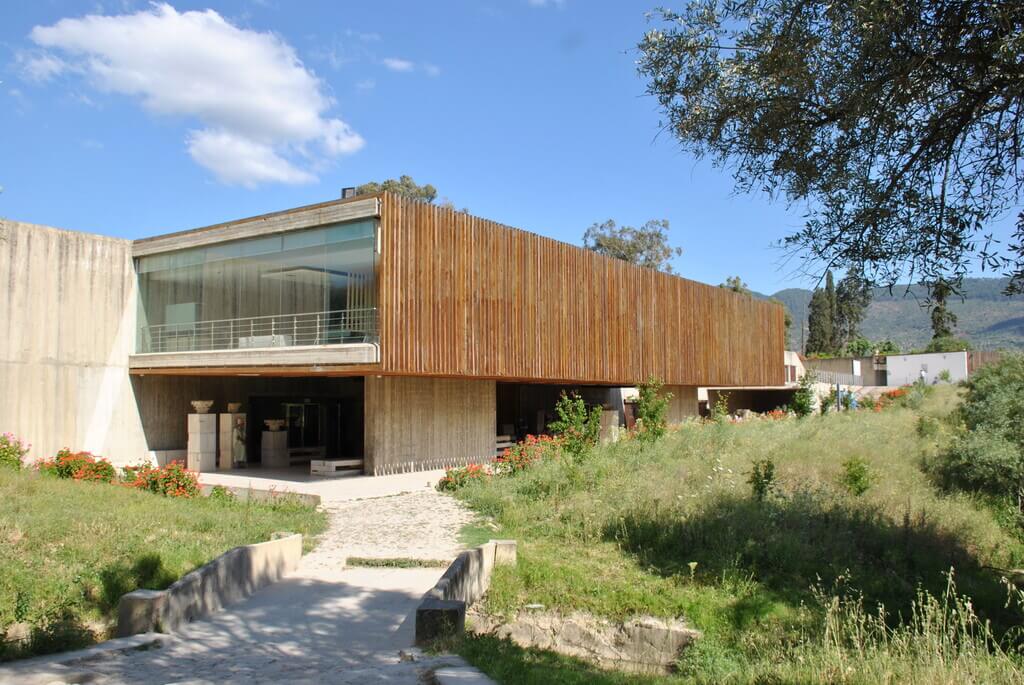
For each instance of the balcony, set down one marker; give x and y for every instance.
(339, 327)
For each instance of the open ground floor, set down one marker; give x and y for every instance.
(276, 421)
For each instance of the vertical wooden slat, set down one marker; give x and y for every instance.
(463, 296)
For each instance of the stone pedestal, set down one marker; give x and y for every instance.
(231, 449)
(274, 449)
(202, 442)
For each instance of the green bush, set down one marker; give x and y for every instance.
(762, 478)
(803, 398)
(12, 451)
(651, 410)
(458, 478)
(170, 480)
(856, 476)
(947, 344)
(79, 466)
(988, 454)
(577, 427)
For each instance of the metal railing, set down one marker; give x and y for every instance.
(836, 377)
(280, 330)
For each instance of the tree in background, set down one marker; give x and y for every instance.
(819, 324)
(943, 320)
(736, 284)
(646, 246)
(853, 295)
(404, 186)
(948, 344)
(832, 343)
(899, 124)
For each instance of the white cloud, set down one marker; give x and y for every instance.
(432, 70)
(396, 64)
(40, 67)
(259, 107)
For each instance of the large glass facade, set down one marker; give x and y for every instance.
(315, 286)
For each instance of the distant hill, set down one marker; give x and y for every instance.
(986, 317)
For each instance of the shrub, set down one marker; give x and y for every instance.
(525, 454)
(171, 480)
(79, 466)
(720, 412)
(762, 478)
(457, 478)
(928, 427)
(577, 427)
(803, 398)
(945, 376)
(856, 476)
(219, 493)
(651, 410)
(988, 455)
(947, 344)
(867, 402)
(12, 451)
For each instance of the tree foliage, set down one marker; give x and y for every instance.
(898, 123)
(647, 245)
(853, 295)
(943, 320)
(404, 186)
(736, 284)
(819, 324)
(834, 318)
(652, 410)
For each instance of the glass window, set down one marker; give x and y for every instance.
(309, 287)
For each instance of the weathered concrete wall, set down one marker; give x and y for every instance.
(904, 369)
(683, 404)
(68, 316)
(229, 578)
(423, 423)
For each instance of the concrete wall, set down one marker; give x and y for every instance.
(421, 423)
(68, 317)
(906, 368)
(683, 404)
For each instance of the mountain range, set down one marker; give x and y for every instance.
(985, 317)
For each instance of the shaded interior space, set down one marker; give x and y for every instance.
(753, 399)
(527, 408)
(320, 417)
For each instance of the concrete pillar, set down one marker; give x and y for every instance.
(683, 404)
(414, 423)
(202, 442)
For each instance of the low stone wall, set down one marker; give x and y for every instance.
(641, 645)
(245, 494)
(443, 609)
(229, 578)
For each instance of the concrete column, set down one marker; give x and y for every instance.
(414, 423)
(202, 442)
(683, 404)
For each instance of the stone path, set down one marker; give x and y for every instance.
(323, 624)
(418, 525)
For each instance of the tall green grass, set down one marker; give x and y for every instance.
(69, 550)
(672, 529)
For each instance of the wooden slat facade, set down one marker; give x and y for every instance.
(464, 296)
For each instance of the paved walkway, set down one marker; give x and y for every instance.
(323, 624)
(329, 488)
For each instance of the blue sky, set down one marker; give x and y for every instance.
(147, 118)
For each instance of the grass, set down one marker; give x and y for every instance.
(673, 530)
(69, 550)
